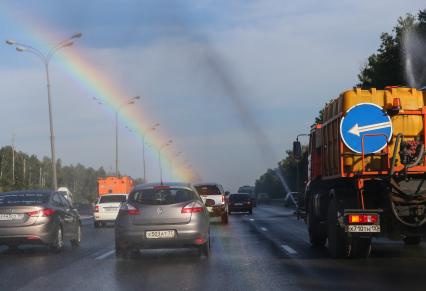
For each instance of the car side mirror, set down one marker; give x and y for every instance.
(297, 150)
(209, 202)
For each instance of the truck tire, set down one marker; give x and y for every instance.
(412, 240)
(316, 236)
(338, 245)
(361, 247)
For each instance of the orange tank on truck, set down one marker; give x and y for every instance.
(367, 170)
(115, 185)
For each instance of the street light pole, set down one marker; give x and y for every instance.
(169, 142)
(154, 127)
(130, 101)
(45, 58)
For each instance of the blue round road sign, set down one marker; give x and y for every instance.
(366, 120)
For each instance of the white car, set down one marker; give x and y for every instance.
(107, 207)
(215, 192)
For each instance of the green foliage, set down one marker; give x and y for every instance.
(32, 173)
(385, 67)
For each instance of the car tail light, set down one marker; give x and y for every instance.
(96, 208)
(200, 241)
(43, 212)
(193, 207)
(363, 218)
(129, 209)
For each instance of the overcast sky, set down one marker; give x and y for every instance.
(231, 82)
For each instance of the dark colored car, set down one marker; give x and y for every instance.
(166, 215)
(38, 217)
(240, 203)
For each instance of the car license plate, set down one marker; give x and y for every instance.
(210, 209)
(158, 234)
(111, 209)
(9, 217)
(238, 204)
(364, 228)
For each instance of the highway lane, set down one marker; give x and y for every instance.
(241, 260)
(266, 251)
(392, 265)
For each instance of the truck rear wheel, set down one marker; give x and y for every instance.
(317, 237)
(361, 247)
(338, 245)
(412, 240)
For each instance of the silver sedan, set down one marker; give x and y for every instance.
(167, 215)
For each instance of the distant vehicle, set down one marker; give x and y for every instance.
(215, 192)
(107, 207)
(114, 185)
(38, 217)
(240, 203)
(249, 190)
(162, 216)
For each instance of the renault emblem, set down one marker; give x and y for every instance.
(159, 211)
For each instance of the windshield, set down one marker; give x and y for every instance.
(162, 196)
(208, 190)
(112, 198)
(10, 199)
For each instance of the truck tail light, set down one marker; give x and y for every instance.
(363, 218)
(41, 213)
(129, 209)
(193, 207)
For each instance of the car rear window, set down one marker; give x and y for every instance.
(23, 198)
(208, 190)
(162, 196)
(239, 197)
(112, 198)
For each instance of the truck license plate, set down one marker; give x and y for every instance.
(364, 228)
(158, 234)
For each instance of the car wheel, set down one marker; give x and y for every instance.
(77, 240)
(224, 218)
(251, 211)
(205, 249)
(58, 244)
(229, 212)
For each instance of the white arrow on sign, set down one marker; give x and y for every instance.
(356, 130)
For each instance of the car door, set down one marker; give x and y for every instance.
(69, 218)
(58, 206)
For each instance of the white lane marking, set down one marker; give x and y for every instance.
(289, 249)
(251, 219)
(264, 228)
(107, 254)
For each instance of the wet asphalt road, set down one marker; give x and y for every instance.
(266, 251)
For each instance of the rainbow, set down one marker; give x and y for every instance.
(98, 84)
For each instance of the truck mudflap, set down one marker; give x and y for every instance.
(361, 222)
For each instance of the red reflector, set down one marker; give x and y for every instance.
(161, 187)
(363, 218)
(200, 241)
(32, 237)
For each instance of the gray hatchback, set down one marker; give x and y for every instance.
(167, 215)
(38, 217)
